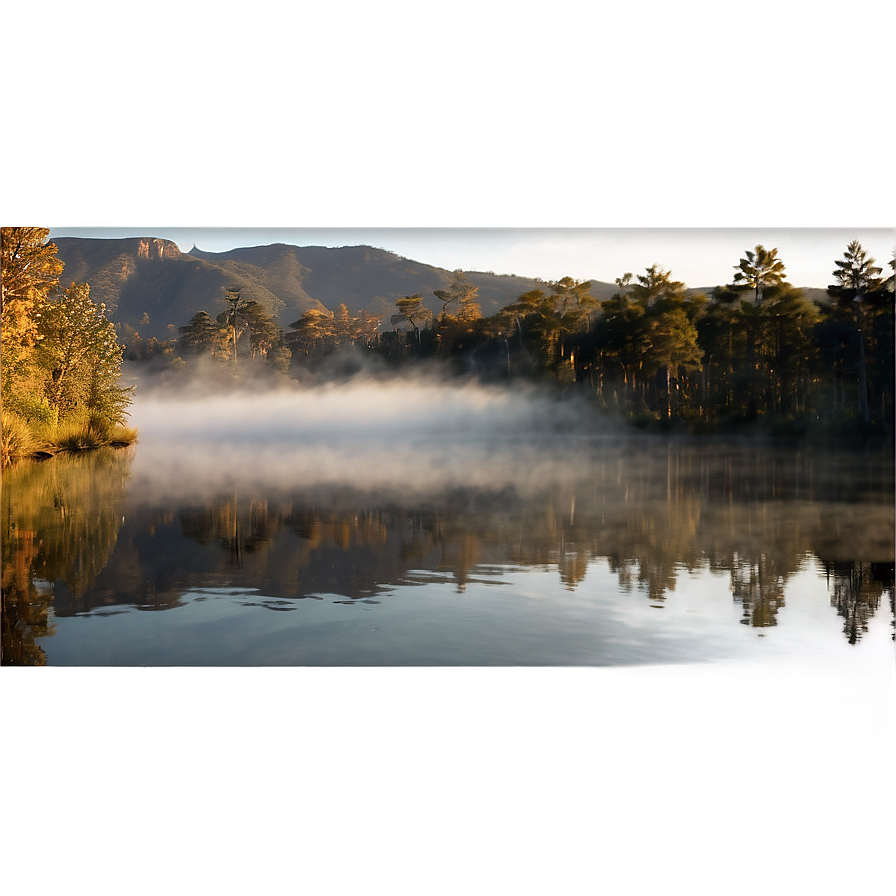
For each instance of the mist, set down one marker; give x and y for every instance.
(382, 411)
(413, 434)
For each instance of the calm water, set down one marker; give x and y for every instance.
(730, 609)
(430, 549)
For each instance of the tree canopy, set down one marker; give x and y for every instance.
(61, 360)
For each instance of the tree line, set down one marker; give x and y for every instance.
(755, 349)
(60, 356)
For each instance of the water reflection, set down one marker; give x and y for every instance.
(856, 592)
(60, 526)
(96, 534)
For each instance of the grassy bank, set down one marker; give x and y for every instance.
(22, 439)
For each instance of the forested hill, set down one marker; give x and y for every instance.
(148, 276)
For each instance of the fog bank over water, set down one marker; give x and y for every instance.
(413, 435)
(390, 411)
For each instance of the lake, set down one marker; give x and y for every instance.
(382, 527)
(408, 639)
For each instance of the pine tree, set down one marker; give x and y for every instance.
(667, 335)
(858, 280)
(202, 335)
(759, 269)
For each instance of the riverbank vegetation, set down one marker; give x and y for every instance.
(754, 355)
(61, 360)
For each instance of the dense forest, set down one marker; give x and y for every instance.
(753, 354)
(61, 359)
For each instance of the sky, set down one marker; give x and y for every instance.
(585, 138)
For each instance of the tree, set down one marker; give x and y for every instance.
(81, 358)
(723, 339)
(760, 268)
(312, 330)
(788, 349)
(856, 274)
(460, 294)
(412, 310)
(29, 264)
(858, 279)
(573, 303)
(259, 324)
(202, 335)
(553, 317)
(61, 359)
(30, 273)
(231, 317)
(656, 285)
(368, 327)
(619, 338)
(666, 334)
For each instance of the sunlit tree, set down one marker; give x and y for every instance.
(759, 268)
(80, 357)
(30, 274)
(232, 317)
(30, 271)
(412, 310)
(856, 274)
(311, 331)
(458, 300)
(651, 323)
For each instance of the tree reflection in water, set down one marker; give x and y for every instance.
(61, 520)
(754, 515)
(759, 587)
(856, 592)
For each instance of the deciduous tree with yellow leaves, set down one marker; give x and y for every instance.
(61, 360)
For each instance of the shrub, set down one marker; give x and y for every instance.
(31, 408)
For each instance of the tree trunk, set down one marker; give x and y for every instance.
(863, 377)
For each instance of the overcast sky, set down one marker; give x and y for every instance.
(537, 138)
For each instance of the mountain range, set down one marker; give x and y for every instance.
(146, 276)
(150, 286)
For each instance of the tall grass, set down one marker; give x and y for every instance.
(121, 435)
(22, 438)
(74, 436)
(77, 436)
(17, 439)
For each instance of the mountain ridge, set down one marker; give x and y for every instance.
(136, 277)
